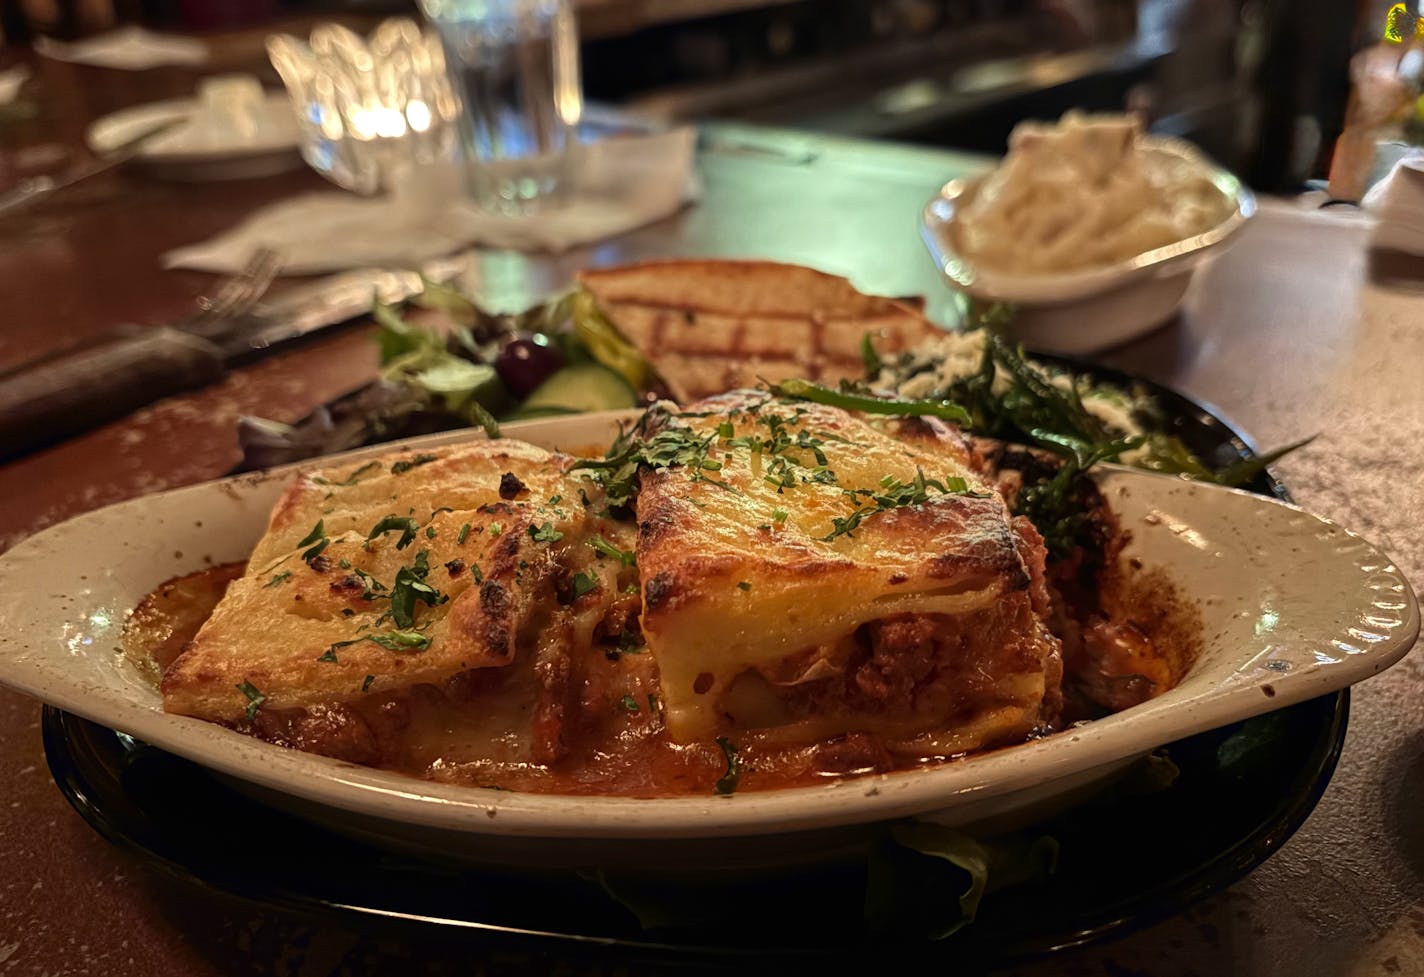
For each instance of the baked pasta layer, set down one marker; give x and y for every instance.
(410, 569)
(823, 574)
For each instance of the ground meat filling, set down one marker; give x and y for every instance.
(925, 669)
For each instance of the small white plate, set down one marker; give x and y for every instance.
(1293, 607)
(1092, 308)
(192, 154)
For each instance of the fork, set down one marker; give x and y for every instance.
(213, 314)
(237, 295)
(69, 391)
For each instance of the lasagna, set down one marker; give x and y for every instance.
(830, 576)
(747, 592)
(413, 575)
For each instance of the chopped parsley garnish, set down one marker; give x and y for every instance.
(254, 698)
(349, 479)
(410, 588)
(545, 533)
(401, 640)
(629, 703)
(463, 535)
(495, 528)
(429, 532)
(328, 656)
(671, 447)
(391, 523)
(344, 563)
(317, 536)
(653, 702)
(895, 494)
(778, 515)
(555, 499)
(277, 578)
(405, 465)
(408, 640)
(604, 547)
(727, 783)
(317, 532)
(744, 586)
(584, 583)
(366, 685)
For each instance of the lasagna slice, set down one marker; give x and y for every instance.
(407, 580)
(810, 573)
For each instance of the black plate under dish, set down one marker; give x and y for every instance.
(1129, 857)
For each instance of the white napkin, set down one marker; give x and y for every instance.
(621, 183)
(1397, 202)
(129, 48)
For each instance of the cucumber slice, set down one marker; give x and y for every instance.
(575, 389)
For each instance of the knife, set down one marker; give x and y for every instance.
(58, 396)
(37, 188)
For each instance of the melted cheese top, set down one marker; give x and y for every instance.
(800, 524)
(479, 534)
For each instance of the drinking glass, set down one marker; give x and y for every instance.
(515, 66)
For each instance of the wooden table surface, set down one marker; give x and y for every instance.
(1287, 334)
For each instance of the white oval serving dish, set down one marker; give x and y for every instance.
(1293, 607)
(1092, 308)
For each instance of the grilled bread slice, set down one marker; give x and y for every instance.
(712, 326)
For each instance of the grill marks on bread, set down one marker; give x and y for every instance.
(712, 326)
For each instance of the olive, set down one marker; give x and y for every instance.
(527, 361)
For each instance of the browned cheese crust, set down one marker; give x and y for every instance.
(923, 620)
(490, 529)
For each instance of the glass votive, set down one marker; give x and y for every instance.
(515, 67)
(368, 108)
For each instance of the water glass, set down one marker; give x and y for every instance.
(515, 66)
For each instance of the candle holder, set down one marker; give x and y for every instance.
(368, 108)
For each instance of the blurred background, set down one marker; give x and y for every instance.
(1261, 85)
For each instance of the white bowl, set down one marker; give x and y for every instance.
(1293, 607)
(1092, 308)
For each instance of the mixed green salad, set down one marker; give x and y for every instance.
(446, 363)
(1012, 397)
